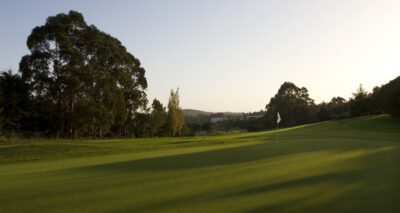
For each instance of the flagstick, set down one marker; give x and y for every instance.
(278, 119)
(277, 137)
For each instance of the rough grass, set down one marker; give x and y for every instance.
(335, 166)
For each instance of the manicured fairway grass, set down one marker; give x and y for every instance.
(349, 165)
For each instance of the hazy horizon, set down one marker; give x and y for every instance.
(233, 55)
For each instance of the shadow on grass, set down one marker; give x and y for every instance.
(219, 157)
(335, 190)
(191, 160)
(305, 181)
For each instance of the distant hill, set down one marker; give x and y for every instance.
(232, 113)
(195, 112)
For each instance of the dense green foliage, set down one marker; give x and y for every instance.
(158, 118)
(384, 99)
(84, 77)
(175, 114)
(293, 103)
(15, 104)
(360, 104)
(335, 166)
(388, 97)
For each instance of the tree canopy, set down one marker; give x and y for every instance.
(158, 117)
(94, 84)
(175, 114)
(293, 104)
(14, 101)
(388, 97)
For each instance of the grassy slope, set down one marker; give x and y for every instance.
(327, 167)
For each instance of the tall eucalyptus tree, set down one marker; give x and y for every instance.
(91, 80)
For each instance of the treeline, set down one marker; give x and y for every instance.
(23, 114)
(78, 81)
(296, 107)
(159, 121)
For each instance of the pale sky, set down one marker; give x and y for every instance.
(233, 55)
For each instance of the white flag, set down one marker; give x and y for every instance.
(278, 119)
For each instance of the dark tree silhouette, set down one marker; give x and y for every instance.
(293, 103)
(91, 80)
